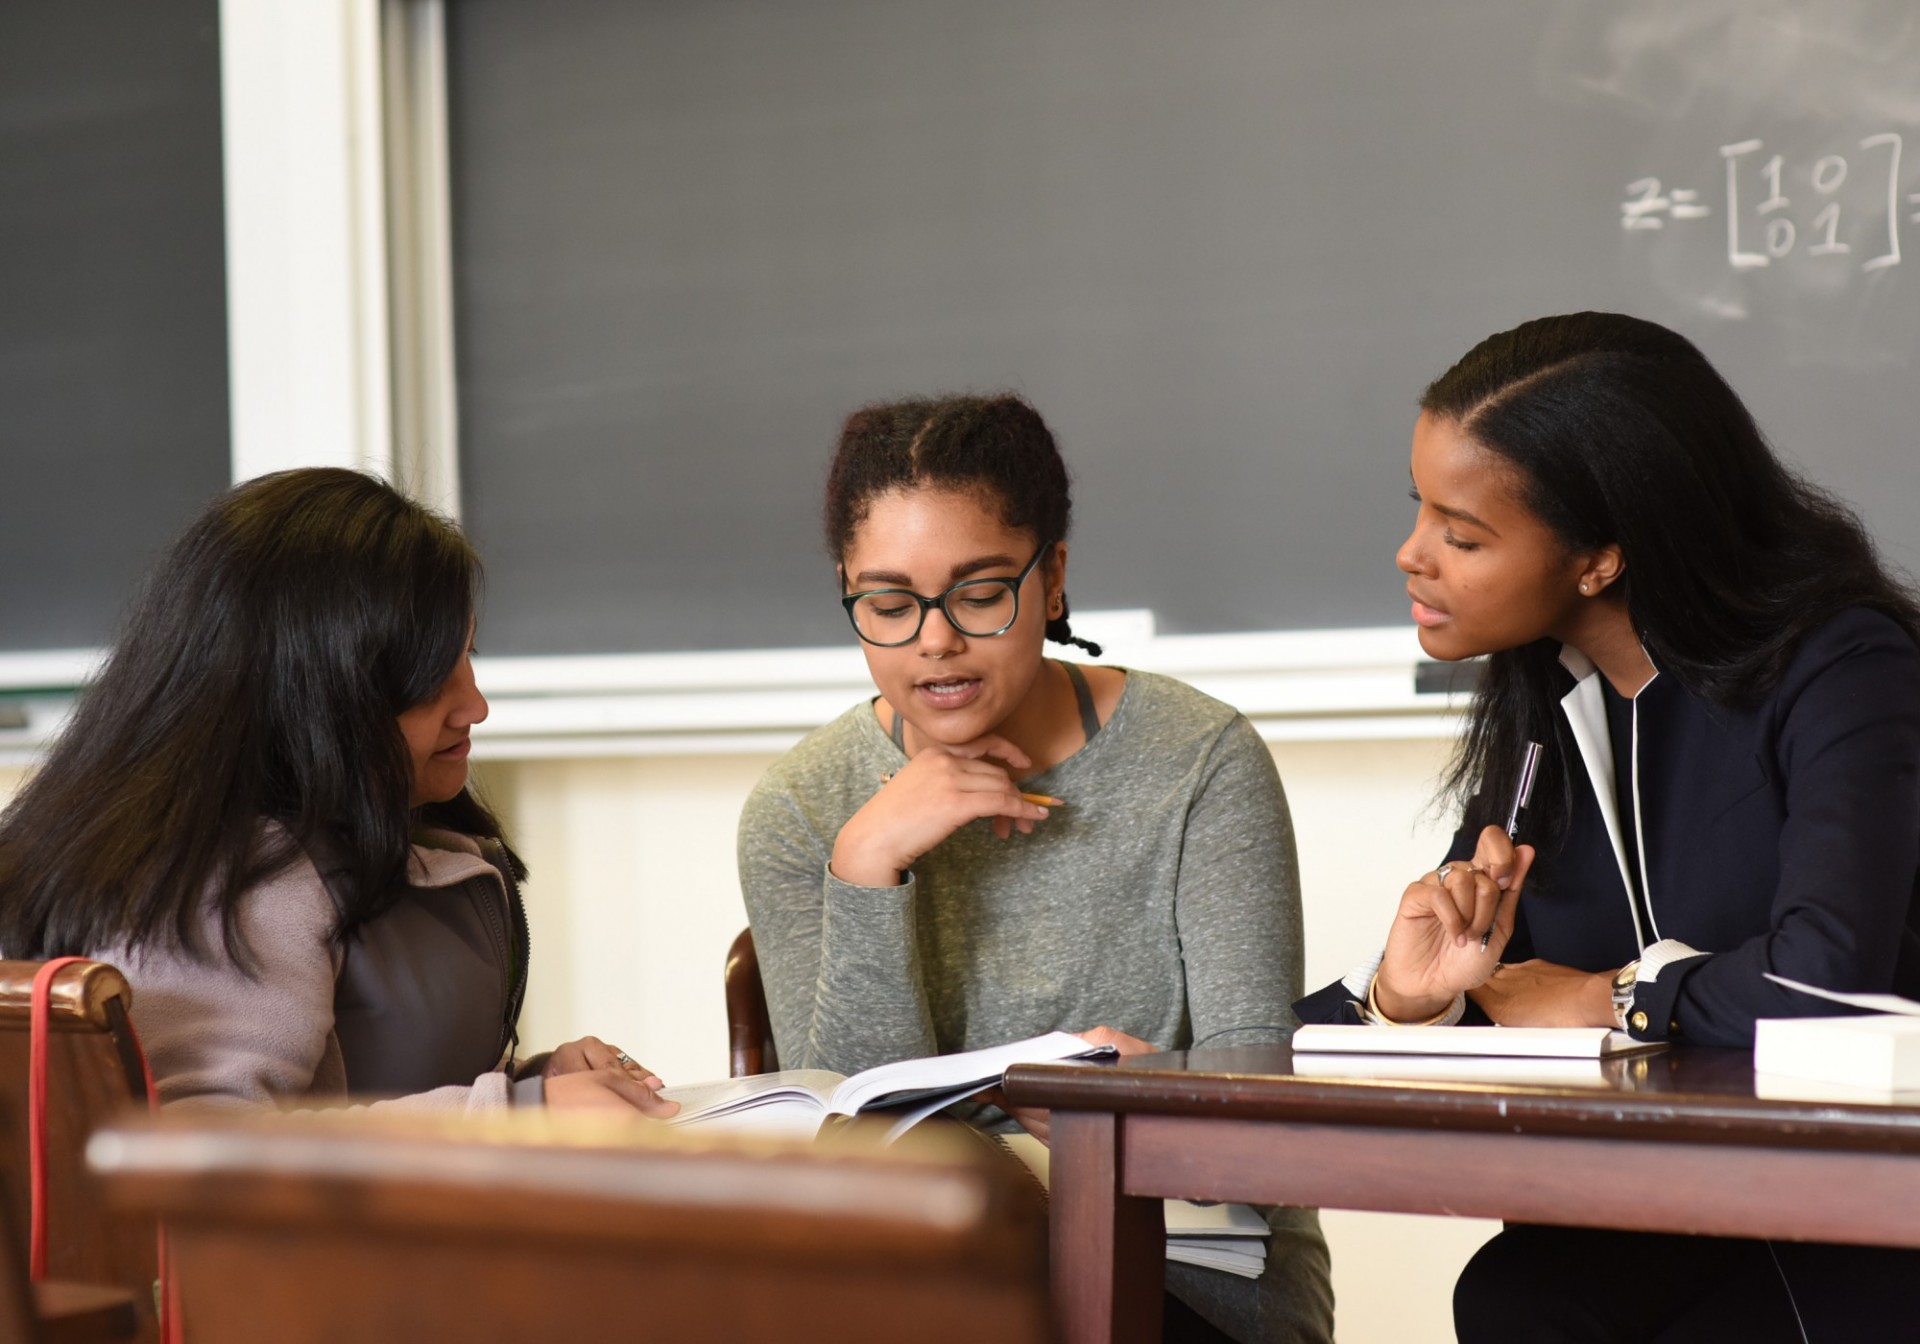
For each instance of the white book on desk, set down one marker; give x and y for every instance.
(1523, 1042)
(1537, 1070)
(1879, 1053)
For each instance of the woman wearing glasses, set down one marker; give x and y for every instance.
(999, 844)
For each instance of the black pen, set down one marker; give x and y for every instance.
(1522, 794)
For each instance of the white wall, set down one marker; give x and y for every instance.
(634, 900)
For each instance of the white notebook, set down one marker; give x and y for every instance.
(1523, 1042)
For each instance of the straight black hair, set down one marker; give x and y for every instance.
(1621, 432)
(259, 677)
(996, 445)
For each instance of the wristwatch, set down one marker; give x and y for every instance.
(1623, 983)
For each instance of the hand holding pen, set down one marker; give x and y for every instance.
(1522, 795)
(1432, 953)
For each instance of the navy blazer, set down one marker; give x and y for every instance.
(1785, 838)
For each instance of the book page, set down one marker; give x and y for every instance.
(699, 1101)
(909, 1079)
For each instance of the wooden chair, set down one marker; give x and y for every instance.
(94, 1073)
(749, 1029)
(382, 1229)
(55, 1311)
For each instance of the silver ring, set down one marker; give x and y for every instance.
(623, 1059)
(1442, 871)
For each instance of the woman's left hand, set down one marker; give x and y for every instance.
(1543, 994)
(1037, 1121)
(590, 1052)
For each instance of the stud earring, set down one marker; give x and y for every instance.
(1583, 587)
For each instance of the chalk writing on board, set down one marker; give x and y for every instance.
(1775, 208)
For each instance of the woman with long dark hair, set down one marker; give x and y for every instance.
(1726, 682)
(917, 885)
(260, 813)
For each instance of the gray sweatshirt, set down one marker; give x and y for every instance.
(1163, 900)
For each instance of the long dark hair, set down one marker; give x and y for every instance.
(1623, 433)
(997, 445)
(259, 677)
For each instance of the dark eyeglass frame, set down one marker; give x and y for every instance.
(927, 604)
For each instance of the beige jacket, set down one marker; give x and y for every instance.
(216, 1036)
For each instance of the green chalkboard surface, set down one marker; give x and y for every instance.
(1222, 244)
(113, 337)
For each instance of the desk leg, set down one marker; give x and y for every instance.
(1109, 1250)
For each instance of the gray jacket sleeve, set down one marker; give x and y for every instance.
(1237, 901)
(841, 963)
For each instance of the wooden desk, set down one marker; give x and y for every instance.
(1674, 1142)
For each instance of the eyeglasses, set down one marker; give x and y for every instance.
(981, 608)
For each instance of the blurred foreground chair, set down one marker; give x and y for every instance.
(381, 1229)
(749, 1029)
(94, 1074)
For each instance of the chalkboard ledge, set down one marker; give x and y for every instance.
(1312, 685)
(1317, 685)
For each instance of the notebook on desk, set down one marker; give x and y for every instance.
(1510, 1042)
(1537, 1070)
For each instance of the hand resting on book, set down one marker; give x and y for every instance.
(590, 1074)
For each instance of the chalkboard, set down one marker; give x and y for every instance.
(1222, 246)
(113, 338)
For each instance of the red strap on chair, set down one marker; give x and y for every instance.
(39, 1024)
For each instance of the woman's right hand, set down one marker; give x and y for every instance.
(609, 1090)
(1433, 949)
(932, 796)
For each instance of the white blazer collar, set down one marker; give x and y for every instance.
(1586, 711)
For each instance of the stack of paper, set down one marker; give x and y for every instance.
(1230, 1237)
(1869, 1056)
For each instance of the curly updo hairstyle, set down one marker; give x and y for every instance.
(997, 446)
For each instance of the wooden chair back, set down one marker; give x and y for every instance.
(383, 1229)
(749, 1028)
(94, 1074)
(16, 1296)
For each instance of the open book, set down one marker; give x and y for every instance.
(1525, 1042)
(1230, 1237)
(797, 1102)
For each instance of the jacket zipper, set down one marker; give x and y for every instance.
(512, 952)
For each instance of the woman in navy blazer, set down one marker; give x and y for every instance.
(1727, 686)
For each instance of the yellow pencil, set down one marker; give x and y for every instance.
(1043, 800)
